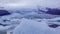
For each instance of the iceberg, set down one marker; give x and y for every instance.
(33, 27)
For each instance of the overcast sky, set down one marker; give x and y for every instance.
(30, 3)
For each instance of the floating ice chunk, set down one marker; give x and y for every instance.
(4, 12)
(30, 27)
(33, 27)
(12, 16)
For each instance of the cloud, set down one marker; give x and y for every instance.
(32, 3)
(8, 1)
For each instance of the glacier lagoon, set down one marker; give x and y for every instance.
(30, 21)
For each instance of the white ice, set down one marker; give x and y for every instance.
(33, 27)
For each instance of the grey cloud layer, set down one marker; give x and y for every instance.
(46, 3)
